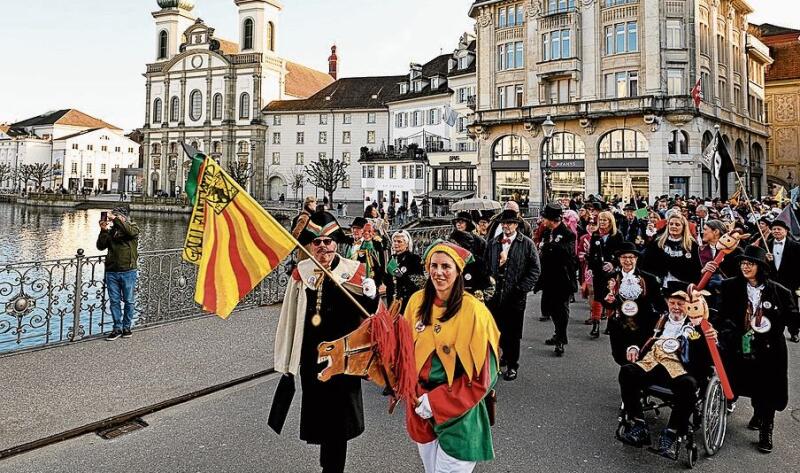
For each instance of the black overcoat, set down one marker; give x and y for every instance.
(625, 331)
(557, 258)
(602, 252)
(408, 278)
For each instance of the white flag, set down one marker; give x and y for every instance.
(450, 116)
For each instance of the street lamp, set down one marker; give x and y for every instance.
(547, 129)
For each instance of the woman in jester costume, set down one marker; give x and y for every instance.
(456, 353)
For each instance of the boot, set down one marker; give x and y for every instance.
(595, 333)
(559, 350)
(607, 331)
(765, 438)
(754, 424)
(636, 434)
(668, 444)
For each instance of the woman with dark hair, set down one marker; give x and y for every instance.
(674, 255)
(602, 247)
(754, 312)
(456, 349)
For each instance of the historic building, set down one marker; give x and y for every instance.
(782, 103)
(209, 92)
(615, 77)
(80, 150)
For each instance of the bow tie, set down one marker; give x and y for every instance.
(506, 241)
(778, 242)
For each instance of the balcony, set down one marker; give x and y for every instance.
(619, 13)
(559, 20)
(510, 34)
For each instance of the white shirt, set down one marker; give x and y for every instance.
(673, 329)
(777, 252)
(754, 296)
(511, 238)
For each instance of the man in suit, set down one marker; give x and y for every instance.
(784, 256)
(557, 257)
(512, 260)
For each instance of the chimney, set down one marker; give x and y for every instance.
(333, 67)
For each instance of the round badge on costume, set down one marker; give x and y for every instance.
(597, 243)
(316, 320)
(420, 326)
(345, 276)
(764, 327)
(687, 255)
(670, 345)
(312, 280)
(403, 270)
(630, 308)
(767, 305)
(467, 277)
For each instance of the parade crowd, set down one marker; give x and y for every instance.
(652, 273)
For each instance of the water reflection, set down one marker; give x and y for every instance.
(39, 233)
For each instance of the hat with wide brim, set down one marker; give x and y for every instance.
(627, 247)
(755, 254)
(509, 215)
(552, 212)
(321, 224)
(358, 222)
(780, 223)
(466, 217)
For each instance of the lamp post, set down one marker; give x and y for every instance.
(547, 129)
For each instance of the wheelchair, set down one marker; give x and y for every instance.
(709, 419)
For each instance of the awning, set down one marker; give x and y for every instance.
(449, 194)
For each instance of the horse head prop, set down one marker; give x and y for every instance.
(381, 350)
(729, 241)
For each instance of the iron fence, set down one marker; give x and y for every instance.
(45, 303)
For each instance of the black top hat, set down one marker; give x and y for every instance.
(780, 223)
(627, 247)
(629, 207)
(552, 212)
(465, 216)
(597, 206)
(756, 254)
(485, 215)
(321, 224)
(358, 222)
(509, 215)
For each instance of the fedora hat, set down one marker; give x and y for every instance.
(627, 247)
(509, 215)
(552, 212)
(466, 217)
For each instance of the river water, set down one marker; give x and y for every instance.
(44, 233)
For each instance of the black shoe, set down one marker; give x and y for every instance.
(551, 341)
(668, 444)
(606, 331)
(765, 439)
(559, 351)
(115, 334)
(795, 338)
(595, 333)
(544, 318)
(510, 374)
(754, 424)
(636, 434)
(126, 333)
(503, 363)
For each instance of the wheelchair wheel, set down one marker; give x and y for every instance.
(715, 418)
(691, 456)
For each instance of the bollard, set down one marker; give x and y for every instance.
(76, 313)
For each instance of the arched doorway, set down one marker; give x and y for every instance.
(567, 154)
(511, 156)
(623, 153)
(276, 186)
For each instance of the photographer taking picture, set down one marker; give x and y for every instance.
(120, 237)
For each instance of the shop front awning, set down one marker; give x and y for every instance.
(449, 194)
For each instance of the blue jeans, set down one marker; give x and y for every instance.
(120, 286)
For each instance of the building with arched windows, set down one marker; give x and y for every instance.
(615, 77)
(205, 90)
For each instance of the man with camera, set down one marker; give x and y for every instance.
(120, 237)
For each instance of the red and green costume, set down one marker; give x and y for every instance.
(456, 364)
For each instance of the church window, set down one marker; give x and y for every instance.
(174, 109)
(196, 99)
(162, 45)
(270, 36)
(156, 110)
(244, 105)
(217, 107)
(248, 34)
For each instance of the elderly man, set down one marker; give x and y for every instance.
(316, 310)
(513, 263)
(784, 260)
(495, 229)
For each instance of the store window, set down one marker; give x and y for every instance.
(511, 185)
(511, 148)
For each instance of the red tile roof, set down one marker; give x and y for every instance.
(69, 116)
(303, 82)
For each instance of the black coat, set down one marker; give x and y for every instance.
(700, 363)
(625, 330)
(763, 376)
(672, 259)
(408, 278)
(521, 268)
(558, 261)
(631, 229)
(600, 253)
(332, 410)
(788, 274)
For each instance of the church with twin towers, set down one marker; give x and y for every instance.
(210, 92)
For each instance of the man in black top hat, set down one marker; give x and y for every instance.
(784, 256)
(513, 263)
(557, 255)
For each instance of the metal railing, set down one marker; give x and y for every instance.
(48, 303)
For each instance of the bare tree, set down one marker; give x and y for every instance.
(327, 174)
(241, 172)
(40, 172)
(296, 180)
(5, 173)
(24, 174)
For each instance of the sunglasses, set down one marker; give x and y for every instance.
(322, 241)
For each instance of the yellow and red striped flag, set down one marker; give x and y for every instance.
(240, 242)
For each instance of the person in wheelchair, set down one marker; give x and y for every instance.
(676, 357)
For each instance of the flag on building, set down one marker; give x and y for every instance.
(233, 240)
(449, 115)
(697, 93)
(780, 196)
(707, 158)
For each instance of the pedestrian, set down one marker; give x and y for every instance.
(344, 209)
(463, 222)
(315, 310)
(603, 245)
(482, 229)
(120, 236)
(282, 198)
(784, 261)
(557, 256)
(405, 272)
(477, 280)
(456, 351)
(514, 264)
(414, 209)
(339, 209)
(754, 312)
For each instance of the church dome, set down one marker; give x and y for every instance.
(187, 5)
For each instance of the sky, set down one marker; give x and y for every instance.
(90, 54)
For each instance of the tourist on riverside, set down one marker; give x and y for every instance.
(405, 274)
(514, 264)
(754, 312)
(120, 236)
(315, 310)
(456, 350)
